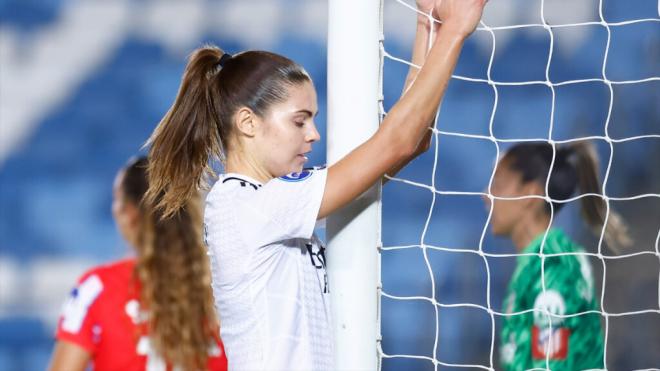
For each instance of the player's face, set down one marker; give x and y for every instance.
(123, 211)
(506, 213)
(288, 131)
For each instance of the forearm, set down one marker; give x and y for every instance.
(410, 117)
(425, 26)
(398, 137)
(423, 146)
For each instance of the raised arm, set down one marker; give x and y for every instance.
(425, 27)
(399, 136)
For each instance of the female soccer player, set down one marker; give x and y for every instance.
(150, 312)
(528, 339)
(255, 111)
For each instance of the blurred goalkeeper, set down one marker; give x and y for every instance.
(560, 329)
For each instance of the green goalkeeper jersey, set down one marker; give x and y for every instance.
(528, 339)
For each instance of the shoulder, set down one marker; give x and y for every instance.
(308, 175)
(230, 188)
(91, 291)
(561, 263)
(99, 286)
(559, 242)
(567, 257)
(292, 189)
(101, 277)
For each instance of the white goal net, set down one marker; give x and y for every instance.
(558, 72)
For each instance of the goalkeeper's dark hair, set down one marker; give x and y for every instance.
(575, 167)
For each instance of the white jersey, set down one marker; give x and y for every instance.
(269, 279)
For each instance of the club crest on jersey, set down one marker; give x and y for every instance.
(297, 177)
(550, 342)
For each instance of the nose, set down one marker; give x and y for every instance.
(312, 134)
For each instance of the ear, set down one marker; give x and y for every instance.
(534, 188)
(246, 122)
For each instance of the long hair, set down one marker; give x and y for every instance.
(198, 126)
(174, 274)
(575, 167)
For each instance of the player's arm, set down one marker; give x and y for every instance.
(425, 26)
(68, 356)
(406, 124)
(74, 346)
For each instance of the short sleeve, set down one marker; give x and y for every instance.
(77, 322)
(285, 208)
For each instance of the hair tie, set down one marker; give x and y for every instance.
(225, 57)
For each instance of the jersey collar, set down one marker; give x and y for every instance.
(535, 245)
(228, 177)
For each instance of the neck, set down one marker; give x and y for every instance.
(529, 227)
(240, 162)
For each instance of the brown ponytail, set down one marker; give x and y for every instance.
(197, 128)
(594, 209)
(176, 286)
(173, 270)
(187, 137)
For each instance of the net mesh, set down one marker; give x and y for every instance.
(424, 247)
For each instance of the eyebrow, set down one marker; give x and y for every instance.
(308, 112)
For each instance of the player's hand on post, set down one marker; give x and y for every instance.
(460, 16)
(426, 7)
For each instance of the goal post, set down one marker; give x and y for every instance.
(353, 233)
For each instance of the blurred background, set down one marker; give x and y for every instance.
(84, 82)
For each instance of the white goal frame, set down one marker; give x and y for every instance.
(353, 233)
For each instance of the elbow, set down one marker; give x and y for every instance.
(401, 146)
(409, 150)
(401, 141)
(424, 146)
